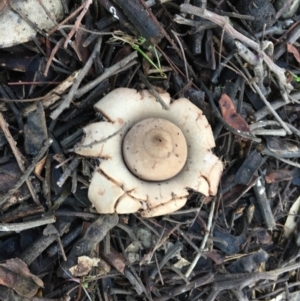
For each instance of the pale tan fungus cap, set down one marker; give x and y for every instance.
(124, 108)
(155, 149)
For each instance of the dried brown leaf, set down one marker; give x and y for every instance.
(16, 275)
(292, 49)
(278, 176)
(231, 116)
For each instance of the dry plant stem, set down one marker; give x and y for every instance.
(67, 101)
(58, 26)
(78, 21)
(291, 39)
(269, 153)
(172, 251)
(19, 157)
(68, 171)
(54, 95)
(258, 90)
(53, 52)
(183, 55)
(266, 132)
(253, 60)
(264, 204)
(228, 281)
(41, 244)
(29, 170)
(107, 73)
(262, 113)
(205, 238)
(18, 227)
(223, 22)
(152, 90)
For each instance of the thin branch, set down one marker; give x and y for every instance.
(223, 22)
(205, 238)
(258, 90)
(107, 73)
(78, 21)
(29, 170)
(67, 100)
(19, 157)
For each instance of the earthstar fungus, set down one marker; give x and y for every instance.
(149, 157)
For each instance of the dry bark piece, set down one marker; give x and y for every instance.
(94, 234)
(16, 275)
(231, 116)
(114, 188)
(35, 131)
(141, 19)
(14, 30)
(230, 244)
(249, 263)
(246, 172)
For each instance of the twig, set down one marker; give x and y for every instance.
(222, 21)
(54, 95)
(183, 55)
(256, 63)
(53, 52)
(264, 205)
(58, 26)
(107, 73)
(18, 227)
(67, 101)
(19, 157)
(258, 90)
(78, 21)
(68, 171)
(205, 238)
(29, 170)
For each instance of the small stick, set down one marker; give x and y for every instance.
(107, 73)
(66, 20)
(152, 90)
(54, 95)
(67, 101)
(222, 21)
(264, 204)
(258, 90)
(19, 157)
(18, 227)
(205, 238)
(183, 55)
(68, 171)
(78, 21)
(29, 170)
